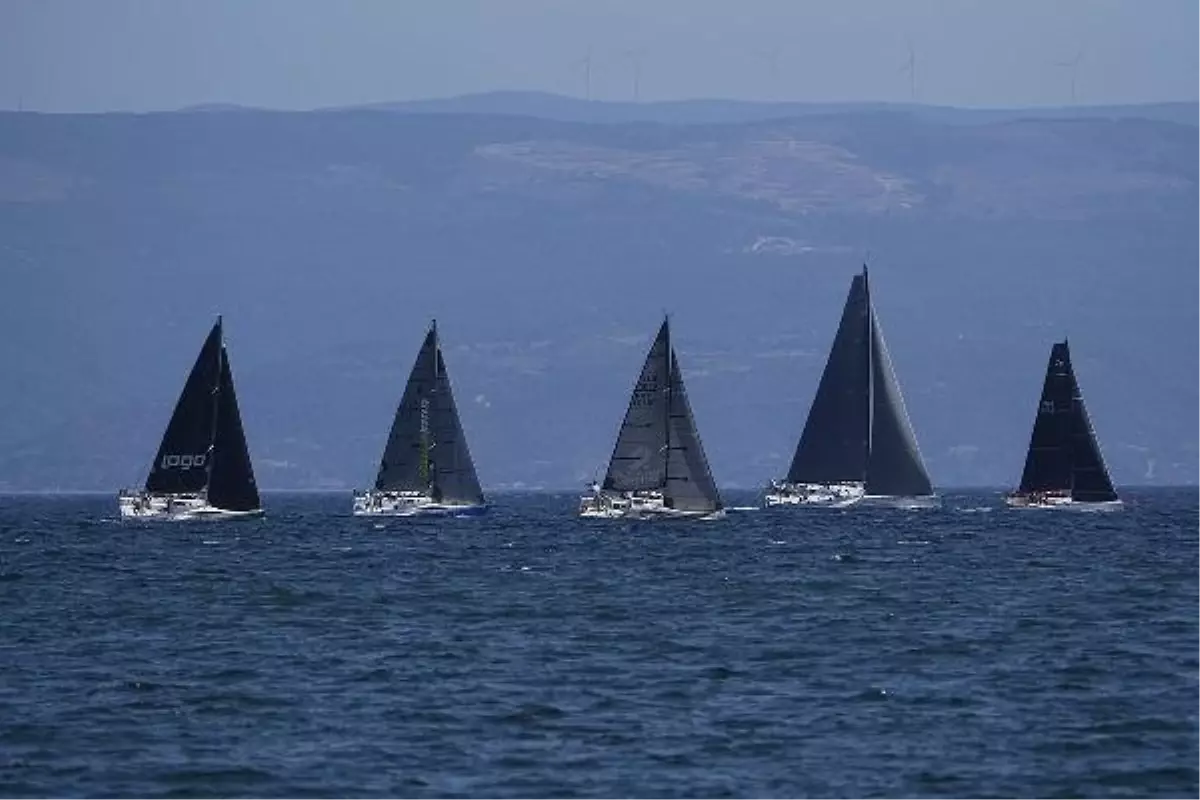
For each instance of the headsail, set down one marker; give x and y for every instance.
(895, 467)
(1048, 460)
(639, 459)
(426, 449)
(182, 463)
(231, 485)
(689, 481)
(451, 464)
(834, 444)
(1090, 480)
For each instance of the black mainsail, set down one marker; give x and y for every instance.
(204, 447)
(426, 449)
(836, 440)
(658, 447)
(1063, 453)
(857, 428)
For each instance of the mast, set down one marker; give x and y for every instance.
(870, 335)
(667, 405)
(427, 434)
(216, 406)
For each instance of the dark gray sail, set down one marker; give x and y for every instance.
(452, 467)
(231, 476)
(833, 446)
(689, 481)
(181, 465)
(894, 467)
(1090, 482)
(426, 449)
(1048, 459)
(1063, 453)
(639, 459)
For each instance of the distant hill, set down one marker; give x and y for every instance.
(548, 250)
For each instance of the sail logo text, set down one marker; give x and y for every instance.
(182, 461)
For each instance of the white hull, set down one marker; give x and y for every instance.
(813, 495)
(1059, 502)
(174, 507)
(408, 504)
(636, 505)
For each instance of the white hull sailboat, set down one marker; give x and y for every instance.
(426, 468)
(1064, 469)
(858, 447)
(658, 469)
(409, 504)
(601, 504)
(819, 495)
(202, 469)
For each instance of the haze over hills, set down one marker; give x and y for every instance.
(545, 105)
(548, 248)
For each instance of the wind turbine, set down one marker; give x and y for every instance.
(1073, 63)
(910, 66)
(586, 63)
(635, 55)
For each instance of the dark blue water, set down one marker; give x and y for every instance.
(971, 651)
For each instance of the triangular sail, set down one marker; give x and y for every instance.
(1090, 482)
(689, 481)
(639, 459)
(833, 446)
(895, 467)
(1048, 460)
(182, 462)
(452, 467)
(405, 462)
(231, 484)
(426, 449)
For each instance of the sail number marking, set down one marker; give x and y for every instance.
(182, 461)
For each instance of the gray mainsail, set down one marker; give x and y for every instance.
(834, 445)
(689, 481)
(426, 449)
(895, 467)
(639, 458)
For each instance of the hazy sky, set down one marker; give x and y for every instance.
(93, 55)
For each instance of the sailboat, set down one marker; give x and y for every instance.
(1063, 467)
(426, 468)
(858, 445)
(658, 468)
(202, 469)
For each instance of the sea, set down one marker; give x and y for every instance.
(970, 651)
